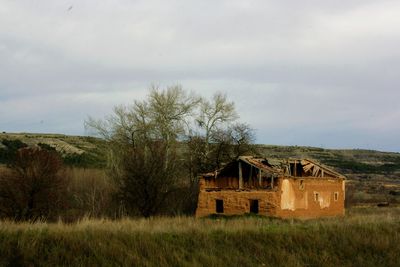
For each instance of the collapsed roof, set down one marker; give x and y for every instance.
(283, 167)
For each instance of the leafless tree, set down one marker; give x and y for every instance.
(224, 138)
(214, 115)
(242, 137)
(144, 139)
(157, 129)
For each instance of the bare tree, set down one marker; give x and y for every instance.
(242, 137)
(170, 110)
(224, 138)
(155, 129)
(213, 115)
(230, 143)
(34, 187)
(164, 115)
(143, 138)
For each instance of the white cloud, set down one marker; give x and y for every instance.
(301, 72)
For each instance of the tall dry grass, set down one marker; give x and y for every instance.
(359, 216)
(363, 238)
(91, 194)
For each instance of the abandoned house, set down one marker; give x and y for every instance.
(292, 188)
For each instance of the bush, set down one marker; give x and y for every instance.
(84, 160)
(46, 147)
(146, 180)
(34, 187)
(7, 154)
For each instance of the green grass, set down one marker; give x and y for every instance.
(365, 237)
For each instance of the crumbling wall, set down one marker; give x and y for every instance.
(311, 197)
(292, 199)
(227, 182)
(237, 202)
(302, 197)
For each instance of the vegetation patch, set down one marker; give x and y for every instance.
(363, 238)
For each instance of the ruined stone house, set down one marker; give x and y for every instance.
(292, 188)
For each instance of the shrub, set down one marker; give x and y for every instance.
(7, 154)
(146, 180)
(34, 187)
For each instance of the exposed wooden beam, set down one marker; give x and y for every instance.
(240, 175)
(272, 182)
(315, 171)
(251, 176)
(308, 167)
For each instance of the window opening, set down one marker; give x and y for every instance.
(336, 196)
(254, 206)
(219, 205)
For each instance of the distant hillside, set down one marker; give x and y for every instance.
(90, 151)
(81, 151)
(348, 161)
(373, 176)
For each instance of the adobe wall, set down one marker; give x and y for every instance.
(299, 200)
(294, 198)
(237, 202)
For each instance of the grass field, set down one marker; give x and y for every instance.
(364, 237)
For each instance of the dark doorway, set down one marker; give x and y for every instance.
(219, 205)
(254, 206)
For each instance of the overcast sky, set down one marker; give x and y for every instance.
(318, 73)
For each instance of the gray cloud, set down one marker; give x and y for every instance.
(301, 72)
